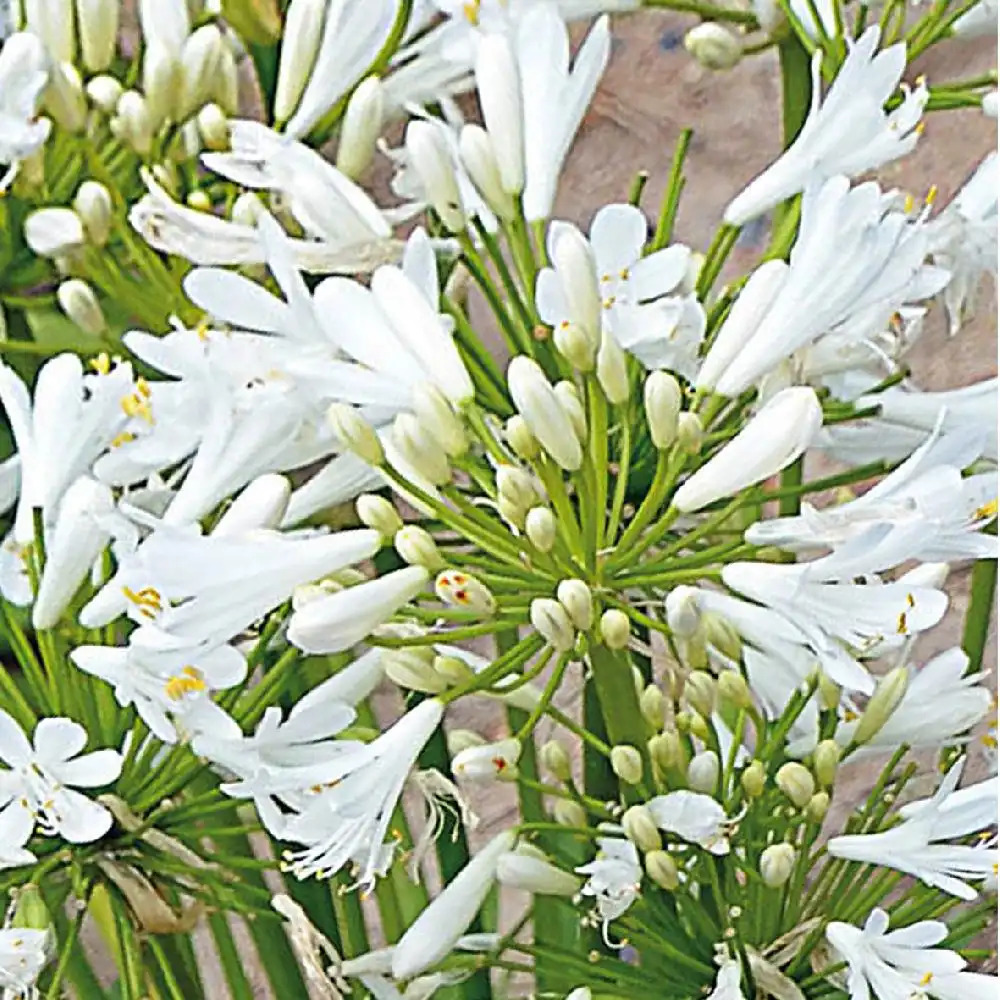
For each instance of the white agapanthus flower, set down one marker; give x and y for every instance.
(605, 283)
(24, 73)
(38, 790)
(615, 878)
(728, 982)
(905, 962)
(24, 952)
(694, 817)
(846, 132)
(919, 845)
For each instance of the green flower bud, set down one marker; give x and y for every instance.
(662, 869)
(420, 449)
(754, 779)
(568, 813)
(435, 413)
(512, 512)
(417, 548)
(693, 723)
(662, 397)
(540, 527)
(777, 864)
(641, 829)
(575, 346)
(453, 669)
(888, 694)
(355, 433)
(576, 598)
(796, 782)
(79, 303)
(690, 433)
(615, 629)
(413, 669)
(30, 911)
(665, 750)
(213, 127)
(699, 690)
(713, 46)
(703, 772)
(721, 635)
(734, 690)
(522, 442)
(817, 807)
(828, 693)
(517, 486)
(626, 762)
(653, 705)
(199, 201)
(555, 760)
(379, 514)
(612, 373)
(569, 398)
(826, 757)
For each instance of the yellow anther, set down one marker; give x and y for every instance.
(471, 11)
(148, 600)
(124, 438)
(142, 387)
(137, 405)
(101, 364)
(189, 681)
(901, 624)
(911, 601)
(605, 278)
(608, 302)
(925, 979)
(919, 128)
(623, 274)
(987, 512)
(908, 204)
(201, 330)
(931, 196)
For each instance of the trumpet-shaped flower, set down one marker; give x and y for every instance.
(847, 132)
(615, 878)
(23, 76)
(39, 789)
(917, 845)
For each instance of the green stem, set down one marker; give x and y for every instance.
(672, 193)
(981, 604)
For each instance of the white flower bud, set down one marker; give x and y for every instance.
(721, 635)
(703, 772)
(683, 612)
(413, 669)
(777, 863)
(161, 83)
(77, 300)
(489, 762)
(556, 760)
(641, 828)
(355, 433)
(104, 91)
(544, 413)
(527, 869)
(246, 209)
(480, 162)
(653, 705)
(225, 81)
(826, 758)
(541, 529)
(612, 373)
(665, 750)
(713, 46)
(437, 416)
(626, 762)
(420, 449)
(51, 21)
(566, 812)
(699, 690)
(662, 397)
(379, 514)
(551, 621)
(97, 23)
(93, 204)
(575, 345)
(416, 547)
(166, 22)
(573, 260)
(458, 740)
(662, 869)
(432, 163)
(64, 98)
(200, 61)
(754, 779)
(453, 669)
(462, 590)
(132, 122)
(513, 513)
(828, 694)
(523, 443)
(517, 486)
(360, 128)
(796, 782)
(500, 100)
(213, 127)
(568, 396)
(54, 232)
(690, 433)
(888, 694)
(615, 629)
(732, 688)
(199, 201)
(817, 807)
(576, 598)
(300, 40)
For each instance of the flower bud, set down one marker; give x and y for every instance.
(77, 299)
(517, 486)
(133, 123)
(413, 669)
(682, 610)
(436, 415)
(721, 635)
(703, 772)
(540, 527)
(526, 868)
(199, 200)
(665, 750)
(93, 204)
(552, 622)
(97, 23)
(453, 669)
(303, 30)
(888, 694)
(612, 373)
(754, 779)
(213, 127)
(420, 449)
(522, 441)
(476, 151)
(416, 547)
(732, 688)
(662, 397)
(570, 399)
(662, 869)
(225, 82)
(777, 863)
(641, 828)
(826, 757)
(693, 723)
(796, 782)
(360, 128)
(64, 98)
(355, 434)
(379, 514)
(575, 346)
(104, 92)
(432, 163)
(30, 911)
(626, 762)
(161, 82)
(653, 705)
(566, 812)
(556, 760)
(827, 693)
(699, 690)
(817, 807)
(573, 260)
(713, 46)
(615, 629)
(690, 433)
(489, 762)
(200, 62)
(54, 232)
(462, 739)
(462, 590)
(576, 598)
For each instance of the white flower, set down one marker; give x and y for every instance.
(904, 963)
(527, 868)
(433, 935)
(916, 845)
(23, 76)
(855, 262)
(847, 132)
(166, 23)
(615, 879)
(727, 982)
(336, 622)
(774, 438)
(696, 817)
(979, 20)
(24, 952)
(39, 788)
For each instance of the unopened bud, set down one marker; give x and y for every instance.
(573, 343)
(462, 739)
(431, 162)
(662, 869)
(459, 589)
(97, 24)
(523, 443)
(199, 201)
(569, 398)
(303, 30)
(566, 812)
(436, 415)
(540, 527)
(662, 397)
(690, 433)
(78, 301)
(796, 782)
(453, 669)
(817, 807)
(225, 81)
(826, 757)
(665, 750)
(828, 693)
(615, 629)
(489, 762)
(54, 232)
(355, 433)
(416, 547)
(132, 123)
(721, 635)
(64, 98)
(517, 486)
(703, 772)
(777, 863)
(683, 613)
(641, 828)
(30, 911)
(377, 513)
(555, 760)
(732, 688)
(612, 373)
(93, 204)
(476, 150)
(161, 83)
(413, 669)
(576, 598)
(552, 622)
(360, 128)
(528, 869)
(754, 779)
(713, 46)
(653, 705)
(420, 449)
(103, 92)
(888, 694)
(213, 127)
(626, 762)
(200, 62)
(699, 690)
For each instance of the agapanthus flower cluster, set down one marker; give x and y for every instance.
(342, 514)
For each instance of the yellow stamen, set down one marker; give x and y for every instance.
(101, 364)
(124, 438)
(901, 624)
(919, 128)
(931, 195)
(925, 979)
(988, 511)
(908, 204)
(471, 11)
(189, 681)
